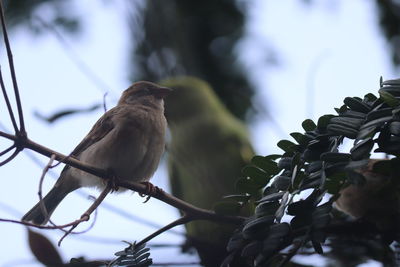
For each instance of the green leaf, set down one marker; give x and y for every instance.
(308, 125)
(323, 121)
(258, 176)
(240, 198)
(267, 165)
(257, 228)
(287, 145)
(266, 208)
(247, 185)
(335, 157)
(388, 98)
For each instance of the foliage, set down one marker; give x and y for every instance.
(313, 163)
(133, 256)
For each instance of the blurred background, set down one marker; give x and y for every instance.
(272, 63)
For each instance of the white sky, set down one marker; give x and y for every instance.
(334, 47)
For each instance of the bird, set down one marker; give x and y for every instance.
(377, 200)
(127, 141)
(207, 149)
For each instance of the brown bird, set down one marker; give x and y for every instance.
(377, 200)
(128, 140)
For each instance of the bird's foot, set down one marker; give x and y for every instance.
(151, 190)
(112, 181)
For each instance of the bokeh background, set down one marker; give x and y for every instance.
(273, 63)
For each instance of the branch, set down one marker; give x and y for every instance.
(195, 212)
(21, 131)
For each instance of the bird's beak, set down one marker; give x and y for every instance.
(160, 92)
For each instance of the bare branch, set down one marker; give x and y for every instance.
(21, 131)
(86, 215)
(7, 150)
(182, 220)
(7, 100)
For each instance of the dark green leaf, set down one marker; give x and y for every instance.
(394, 128)
(252, 249)
(379, 113)
(271, 197)
(356, 104)
(300, 138)
(267, 165)
(266, 208)
(308, 125)
(335, 157)
(258, 176)
(247, 185)
(287, 145)
(323, 121)
(388, 98)
(362, 150)
(241, 198)
(281, 182)
(257, 228)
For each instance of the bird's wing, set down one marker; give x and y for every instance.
(100, 129)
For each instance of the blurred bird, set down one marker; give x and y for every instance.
(207, 150)
(128, 141)
(376, 201)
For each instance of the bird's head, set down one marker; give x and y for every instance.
(144, 93)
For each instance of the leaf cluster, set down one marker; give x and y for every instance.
(305, 180)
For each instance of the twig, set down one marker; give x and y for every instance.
(182, 220)
(8, 104)
(86, 215)
(13, 155)
(45, 170)
(21, 131)
(7, 150)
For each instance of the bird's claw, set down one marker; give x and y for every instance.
(151, 190)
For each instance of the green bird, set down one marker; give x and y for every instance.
(208, 148)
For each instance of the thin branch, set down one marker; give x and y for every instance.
(86, 215)
(21, 131)
(7, 100)
(13, 155)
(45, 170)
(7, 150)
(182, 220)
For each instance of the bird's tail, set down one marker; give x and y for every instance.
(50, 202)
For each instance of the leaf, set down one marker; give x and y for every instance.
(346, 131)
(271, 197)
(388, 98)
(43, 250)
(379, 113)
(266, 208)
(356, 104)
(323, 121)
(308, 125)
(258, 176)
(267, 165)
(285, 163)
(235, 242)
(281, 182)
(362, 150)
(246, 185)
(287, 145)
(335, 157)
(394, 128)
(252, 249)
(257, 228)
(240, 198)
(300, 138)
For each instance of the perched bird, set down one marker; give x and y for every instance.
(128, 140)
(207, 150)
(376, 201)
